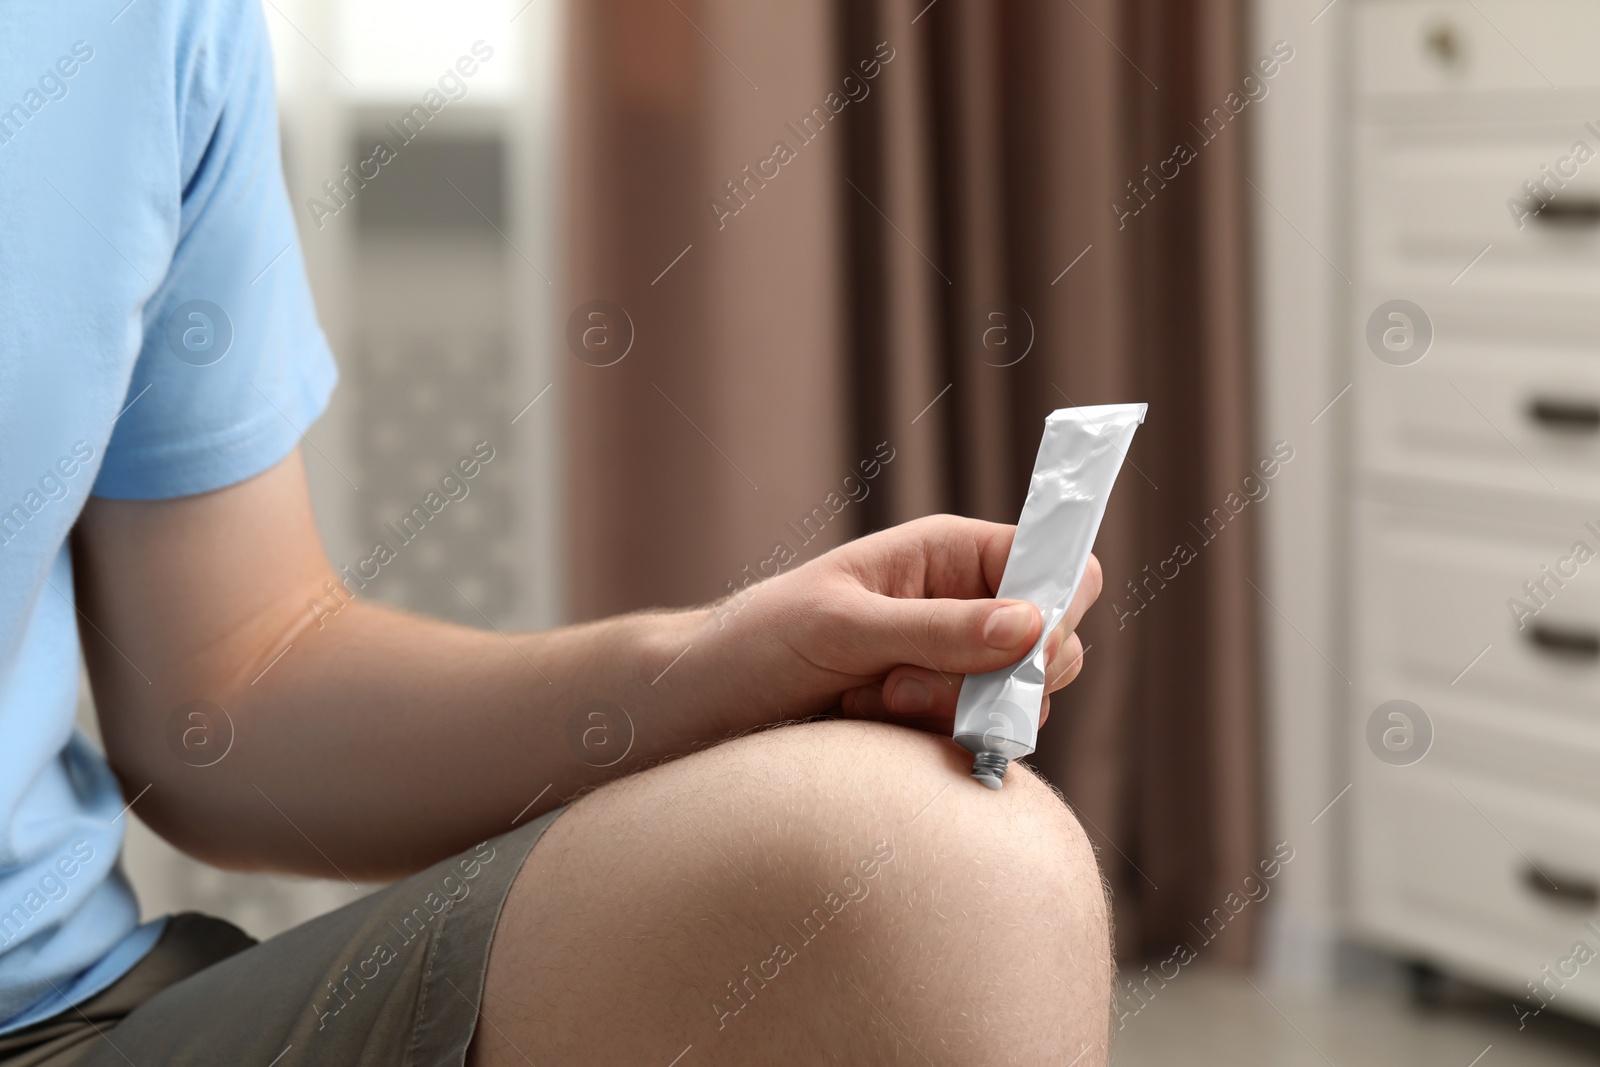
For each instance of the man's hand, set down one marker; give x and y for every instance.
(888, 625)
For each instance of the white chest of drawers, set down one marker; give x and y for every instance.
(1474, 480)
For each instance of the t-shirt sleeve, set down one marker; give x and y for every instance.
(233, 366)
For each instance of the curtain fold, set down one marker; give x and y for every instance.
(974, 218)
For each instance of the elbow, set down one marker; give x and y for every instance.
(183, 796)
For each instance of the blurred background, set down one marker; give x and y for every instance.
(685, 264)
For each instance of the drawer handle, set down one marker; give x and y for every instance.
(1444, 44)
(1570, 416)
(1575, 644)
(1570, 211)
(1575, 892)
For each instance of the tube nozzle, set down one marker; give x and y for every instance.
(990, 768)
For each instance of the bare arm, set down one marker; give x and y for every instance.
(381, 741)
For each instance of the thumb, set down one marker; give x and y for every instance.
(958, 636)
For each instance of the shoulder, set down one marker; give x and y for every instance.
(218, 48)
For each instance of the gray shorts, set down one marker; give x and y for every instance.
(392, 979)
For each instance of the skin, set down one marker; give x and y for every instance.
(344, 744)
(982, 941)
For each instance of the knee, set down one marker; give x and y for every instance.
(864, 860)
(848, 886)
(798, 802)
(819, 794)
(970, 880)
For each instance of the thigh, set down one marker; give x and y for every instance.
(829, 892)
(394, 978)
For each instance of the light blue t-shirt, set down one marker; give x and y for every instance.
(157, 339)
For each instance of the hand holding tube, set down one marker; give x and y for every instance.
(914, 694)
(886, 626)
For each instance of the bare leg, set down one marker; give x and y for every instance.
(828, 893)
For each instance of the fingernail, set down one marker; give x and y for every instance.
(1008, 626)
(911, 695)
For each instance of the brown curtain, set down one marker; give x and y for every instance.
(982, 225)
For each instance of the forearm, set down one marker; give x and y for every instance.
(378, 741)
(357, 736)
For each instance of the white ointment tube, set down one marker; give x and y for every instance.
(997, 714)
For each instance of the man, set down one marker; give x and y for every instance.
(829, 891)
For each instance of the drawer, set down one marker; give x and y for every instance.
(1432, 201)
(1537, 748)
(1435, 594)
(1463, 46)
(1483, 411)
(1498, 881)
